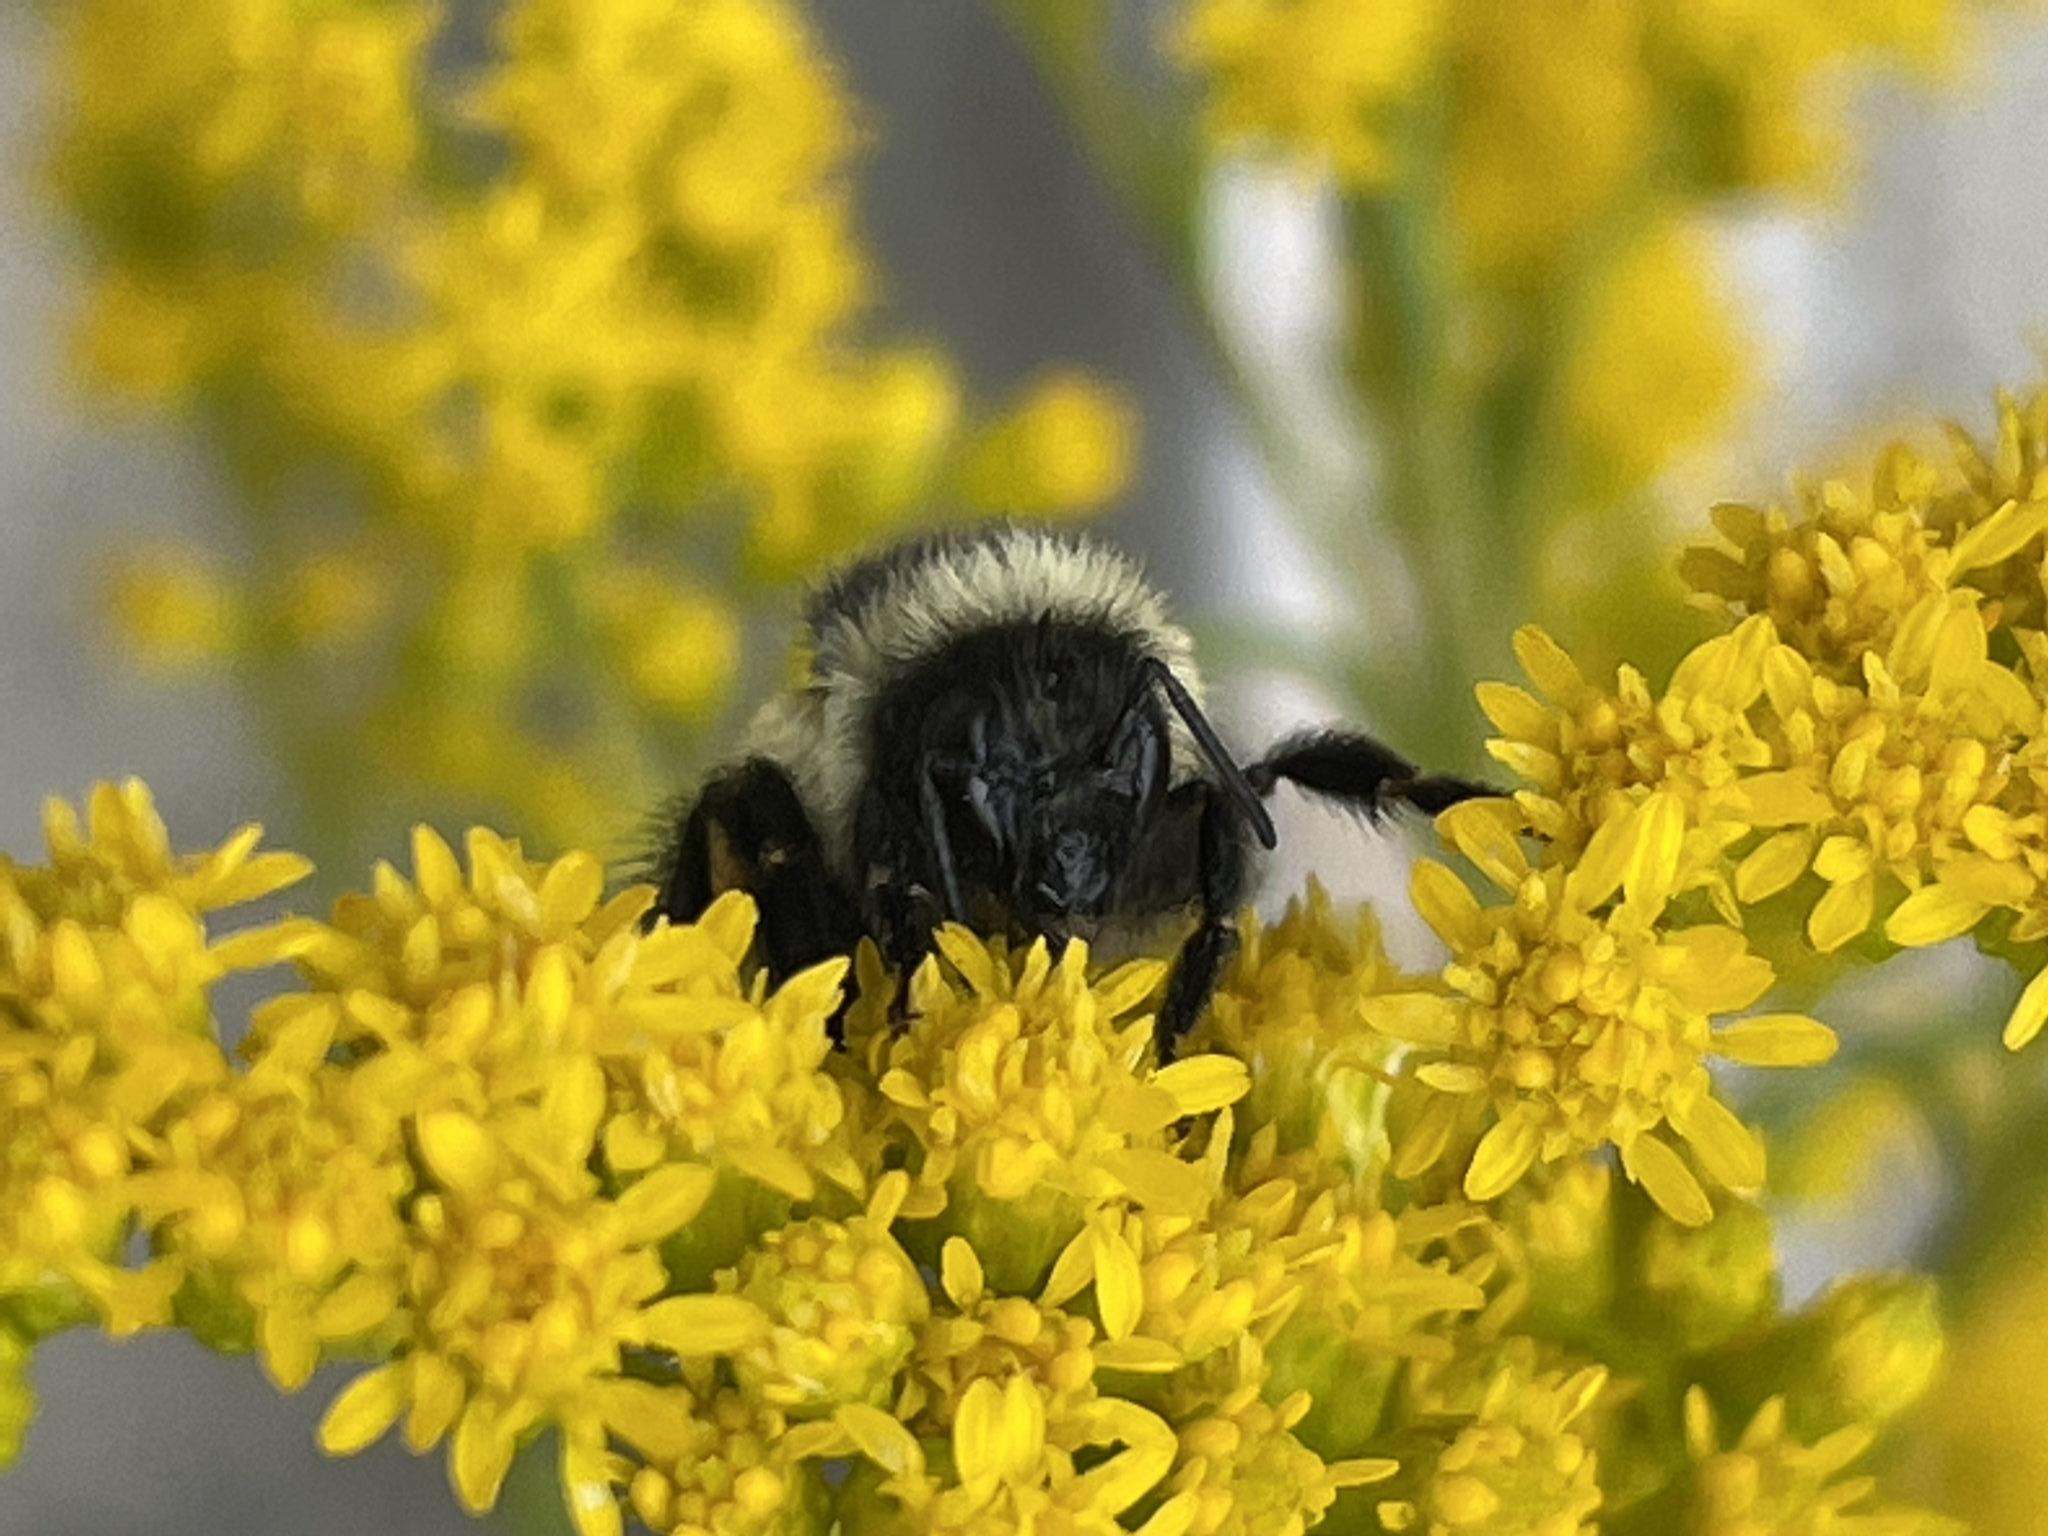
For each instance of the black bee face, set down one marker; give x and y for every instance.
(1047, 801)
(1038, 758)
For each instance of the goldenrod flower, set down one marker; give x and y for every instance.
(1557, 1236)
(1313, 77)
(1291, 1008)
(1704, 1286)
(1028, 1094)
(106, 1034)
(1579, 1019)
(844, 1305)
(1524, 1461)
(172, 612)
(1769, 1482)
(723, 1463)
(513, 372)
(1865, 1353)
(1067, 446)
(286, 1206)
(1244, 1471)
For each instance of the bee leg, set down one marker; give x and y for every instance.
(1360, 773)
(748, 831)
(1220, 880)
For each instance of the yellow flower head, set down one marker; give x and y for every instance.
(1338, 1291)
(1014, 1459)
(1768, 1481)
(727, 1464)
(287, 1209)
(1245, 1472)
(1591, 758)
(1703, 1286)
(1317, 78)
(106, 1032)
(844, 1305)
(1028, 1095)
(1067, 446)
(1522, 1461)
(1865, 1353)
(1580, 1019)
(1291, 1008)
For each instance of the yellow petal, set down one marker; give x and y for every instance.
(1549, 667)
(1427, 1138)
(1602, 863)
(1446, 904)
(1199, 1084)
(1517, 713)
(1488, 832)
(570, 891)
(434, 868)
(1728, 1149)
(1421, 1018)
(1996, 882)
(1776, 1040)
(2001, 534)
(1451, 1076)
(1657, 838)
(960, 1273)
(1783, 798)
(882, 1438)
(458, 1150)
(2028, 1014)
(1932, 915)
(1502, 1157)
(1842, 914)
(1119, 1284)
(587, 1489)
(438, 1392)
(1661, 1172)
(665, 1201)
(1772, 865)
(366, 1407)
(703, 1324)
(355, 1306)
(481, 1455)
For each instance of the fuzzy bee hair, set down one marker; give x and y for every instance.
(1004, 727)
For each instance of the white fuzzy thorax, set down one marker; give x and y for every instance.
(924, 601)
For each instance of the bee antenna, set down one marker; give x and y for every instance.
(1213, 749)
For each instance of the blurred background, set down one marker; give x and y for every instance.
(422, 414)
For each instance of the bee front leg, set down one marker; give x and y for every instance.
(1221, 870)
(748, 831)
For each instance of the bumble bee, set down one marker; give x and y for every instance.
(1002, 727)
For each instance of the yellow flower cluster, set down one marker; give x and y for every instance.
(1895, 740)
(483, 351)
(987, 1268)
(107, 1052)
(1529, 179)
(1553, 108)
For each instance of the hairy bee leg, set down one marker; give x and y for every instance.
(748, 831)
(1220, 867)
(1356, 771)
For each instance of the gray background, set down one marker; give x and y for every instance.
(994, 235)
